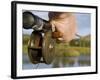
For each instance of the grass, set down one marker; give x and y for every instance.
(65, 50)
(25, 43)
(82, 50)
(25, 49)
(62, 49)
(71, 52)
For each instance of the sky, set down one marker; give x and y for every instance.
(83, 22)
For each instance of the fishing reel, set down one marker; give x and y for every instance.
(41, 45)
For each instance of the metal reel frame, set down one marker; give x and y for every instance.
(48, 47)
(41, 47)
(34, 47)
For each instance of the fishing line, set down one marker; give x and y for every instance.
(37, 66)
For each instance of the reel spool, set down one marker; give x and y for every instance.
(41, 47)
(48, 47)
(34, 47)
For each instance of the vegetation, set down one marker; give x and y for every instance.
(25, 42)
(25, 49)
(76, 47)
(82, 41)
(25, 39)
(71, 50)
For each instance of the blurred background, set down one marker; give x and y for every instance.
(74, 54)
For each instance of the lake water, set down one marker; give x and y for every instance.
(59, 62)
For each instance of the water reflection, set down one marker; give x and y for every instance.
(59, 62)
(71, 61)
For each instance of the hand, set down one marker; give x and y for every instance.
(57, 34)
